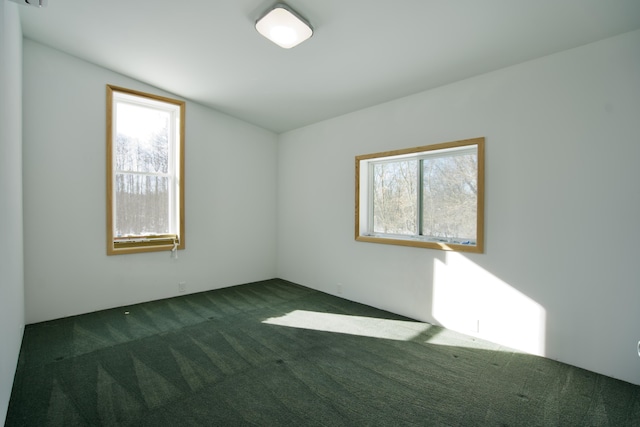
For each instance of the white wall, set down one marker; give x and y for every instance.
(559, 276)
(230, 197)
(11, 257)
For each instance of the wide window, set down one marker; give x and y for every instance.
(145, 172)
(431, 196)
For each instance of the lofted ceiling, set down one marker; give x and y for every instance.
(363, 52)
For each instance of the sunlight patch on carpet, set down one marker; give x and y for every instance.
(399, 330)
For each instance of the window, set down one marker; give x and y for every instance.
(145, 172)
(431, 196)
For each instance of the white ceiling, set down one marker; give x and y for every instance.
(363, 52)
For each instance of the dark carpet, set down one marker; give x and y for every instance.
(274, 353)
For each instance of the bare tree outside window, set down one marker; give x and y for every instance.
(142, 173)
(145, 164)
(431, 196)
(449, 197)
(395, 202)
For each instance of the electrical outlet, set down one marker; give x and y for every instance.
(638, 348)
(339, 288)
(182, 287)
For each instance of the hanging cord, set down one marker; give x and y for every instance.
(174, 250)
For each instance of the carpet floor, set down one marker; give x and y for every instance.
(274, 353)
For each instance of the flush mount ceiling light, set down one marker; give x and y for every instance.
(284, 26)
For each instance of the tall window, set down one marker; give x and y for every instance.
(431, 196)
(145, 172)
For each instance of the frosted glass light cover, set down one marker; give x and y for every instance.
(284, 27)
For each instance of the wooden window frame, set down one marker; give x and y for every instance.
(137, 244)
(362, 214)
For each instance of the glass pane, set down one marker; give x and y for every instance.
(141, 205)
(142, 139)
(450, 198)
(395, 209)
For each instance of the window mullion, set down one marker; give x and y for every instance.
(173, 180)
(125, 172)
(370, 201)
(420, 176)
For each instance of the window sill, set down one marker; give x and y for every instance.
(417, 242)
(141, 244)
